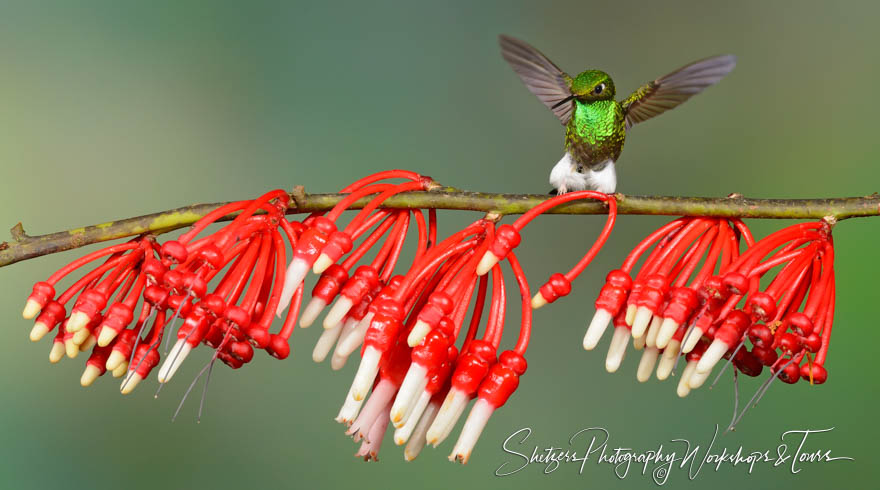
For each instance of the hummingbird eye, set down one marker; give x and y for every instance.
(599, 88)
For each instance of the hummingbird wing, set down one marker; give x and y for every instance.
(664, 93)
(540, 75)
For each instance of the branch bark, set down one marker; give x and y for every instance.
(25, 247)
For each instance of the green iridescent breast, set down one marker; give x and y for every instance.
(595, 132)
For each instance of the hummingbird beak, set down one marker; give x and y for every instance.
(563, 101)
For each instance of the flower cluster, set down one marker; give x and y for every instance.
(429, 332)
(245, 261)
(422, 359)
(419, 365)
(697, 295)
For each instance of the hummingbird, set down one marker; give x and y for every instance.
(595, 123)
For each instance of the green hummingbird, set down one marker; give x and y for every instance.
(595, 123)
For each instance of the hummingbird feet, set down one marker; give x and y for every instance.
(565, 176)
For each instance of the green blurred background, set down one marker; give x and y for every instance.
(115, 109)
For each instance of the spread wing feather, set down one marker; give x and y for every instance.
(657, 97)
(540, 75)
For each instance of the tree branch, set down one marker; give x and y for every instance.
(25, 247)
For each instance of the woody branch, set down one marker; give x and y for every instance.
(23, 247)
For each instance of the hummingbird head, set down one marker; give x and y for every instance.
(592, 85)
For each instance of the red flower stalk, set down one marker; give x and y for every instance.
(322, 244)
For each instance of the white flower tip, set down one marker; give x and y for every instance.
(538, 301)
(323, 262)
(57, 352)
(447, 416)
(408, 394)
(646, 364)
(697, 379)
(130, 383)
(40, 329)
(639, 343)
(325, 343)
(338, 311)
(89, 376)
(487, 262)
(667, 361)
(346, 346)
(114, 360)
(601, 320)
(107, 335)
(80, 336)
(692, 339)
(294, 276)
(77, 321)
(71, 348)
(338, 361)
(684, 383)
(31, 309)
(88, 343)
(120, 370)
(710, 358)
(418, 438)
(641, 321)
(411, 454)
(630, 314)
(311, 311)
(349, 410)
(617, 349)
(366, 373)
(173, 361)
(653, 330)
(667, 330)
(417, 333)
(683, 389)
(471, 431)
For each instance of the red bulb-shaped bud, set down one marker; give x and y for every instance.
(790, 343)
(748, 363)
(502, 379)
(733, 327)
(766, 355)
(473, 366)
(155, 270)
(42, 293)
(330, 283)
(760, 335)
(615, 291)
(761, 306)
(174, 252)
(682, 302)
(313, 239)
(555, 287)
(385, 326)
(506, 239)
(51, 315)
(736, 282)
(432, 351)
(814, 373)
(791, 373)
(118, 316)
(278, 347)
(338, 244)
(438, 306)
(812, 343)
(799, 323)
(212, 256)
